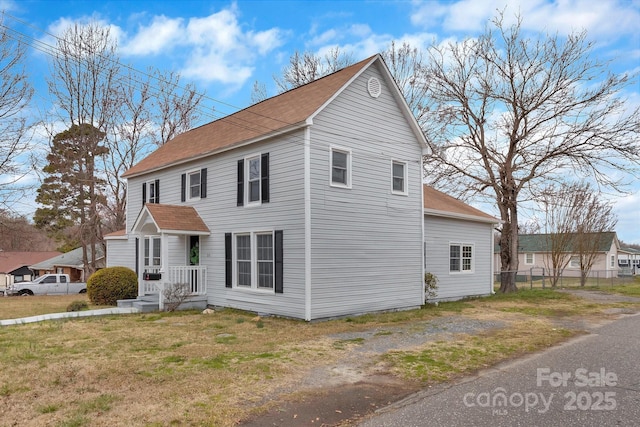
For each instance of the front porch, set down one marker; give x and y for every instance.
(168, 259)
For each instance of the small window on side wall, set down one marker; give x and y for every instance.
(340, 160)
(399, 177)
(460, 258)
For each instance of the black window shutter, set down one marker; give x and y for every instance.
(203, 183)
(240, 199)
(157, 191)
(228, 261)
(144, 193)
(278, 252)
(265, 178)
(183, 188)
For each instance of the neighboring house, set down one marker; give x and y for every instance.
(629, 260)
(14, 266)
(458, 245)
(534, 256)
(68, 263)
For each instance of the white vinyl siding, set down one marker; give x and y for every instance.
(366, 243)
(439, 232)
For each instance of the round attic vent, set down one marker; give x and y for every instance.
(374, 87)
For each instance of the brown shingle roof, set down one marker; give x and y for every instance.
(10, 261)
(270, 116)
(436, 201)
(176, 218)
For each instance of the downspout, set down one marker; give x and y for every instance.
(307, 222)
(423, 244)
(492, 255)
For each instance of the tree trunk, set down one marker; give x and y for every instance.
(509, 249)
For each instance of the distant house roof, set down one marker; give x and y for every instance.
(68, 259)
(440, 204)
(172, 219)
(119, 234)
(279, 114)
(10, 261)
(542, 242)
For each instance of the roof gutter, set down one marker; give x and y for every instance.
(447, 214)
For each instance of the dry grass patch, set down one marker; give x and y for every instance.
(180, 368)
(185, 368)
(444, 360)
(24, 306)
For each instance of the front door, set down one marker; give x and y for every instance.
(193, 258)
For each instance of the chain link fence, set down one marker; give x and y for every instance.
(543, 278)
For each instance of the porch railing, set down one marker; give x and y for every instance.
(194, 276)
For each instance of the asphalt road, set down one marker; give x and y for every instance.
(593, 380)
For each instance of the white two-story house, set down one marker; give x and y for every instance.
(308, 204)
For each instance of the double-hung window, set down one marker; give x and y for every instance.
(460, 258)
(194, 185)
(398, 177)
(151, 191)
(152, 259)
(574, 262)
(254, 260)
(528, 259)
(253, 180)
(340, 160)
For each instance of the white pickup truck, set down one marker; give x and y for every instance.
(48, 284)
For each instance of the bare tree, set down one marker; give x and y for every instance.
(177, 106)
(15, 95)
(509, 113)
(84, 81)
(594, 218)
(406, 64)
(563, 207)
(307, 67)
(259, 92)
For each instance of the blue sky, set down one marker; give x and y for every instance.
(224, 47)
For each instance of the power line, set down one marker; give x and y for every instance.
(55, 51)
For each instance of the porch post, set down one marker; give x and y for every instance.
(140, 267)
(164, 268)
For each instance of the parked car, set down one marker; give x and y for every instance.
(48, 284)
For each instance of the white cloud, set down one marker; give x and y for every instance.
(214, 48)
(614, 19)
(153, 39)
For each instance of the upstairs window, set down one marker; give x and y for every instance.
(151, 192)
(398, 177)
(253, 180)
(194, 185)
(340, 167)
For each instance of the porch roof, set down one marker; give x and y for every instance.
(171, 219)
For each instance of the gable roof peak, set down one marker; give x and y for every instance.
(281, 113)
